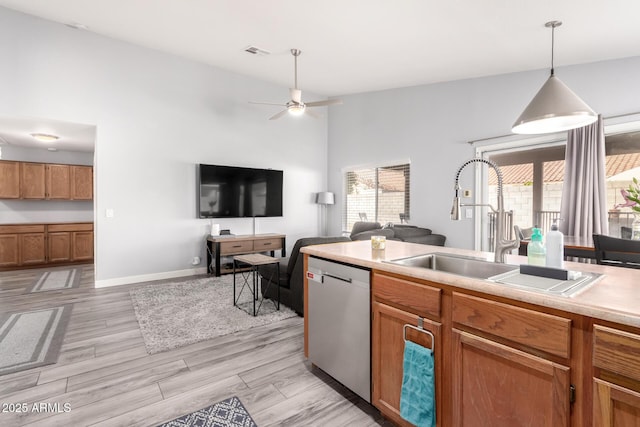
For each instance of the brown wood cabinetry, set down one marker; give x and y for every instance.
(496, 363)
(514, 384)
(81, 182)
(616, 383)
(35, 245)
(58, 182)
(32, 181)
(40, 181)
(9, 180)
(398, 302)
(22, 245)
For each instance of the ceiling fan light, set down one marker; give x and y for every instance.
(44, 137)
(296, 110)
(555, 108)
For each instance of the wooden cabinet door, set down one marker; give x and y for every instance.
(81, 182)
(9, 180)
(498, 386)
(32, 180)
(387, 353)
(58, 182)
(615, 406)
(32, 249)
(59, 245)
(82, 246)
(9, 254)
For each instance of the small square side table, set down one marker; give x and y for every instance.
(254, 261)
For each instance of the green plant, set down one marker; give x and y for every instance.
(634, 194)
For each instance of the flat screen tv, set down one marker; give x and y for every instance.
(235, 192)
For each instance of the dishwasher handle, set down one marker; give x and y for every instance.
(333, 276)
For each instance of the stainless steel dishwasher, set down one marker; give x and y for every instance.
(339, 323)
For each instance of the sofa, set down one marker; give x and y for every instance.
(363, 230)
(292, 274)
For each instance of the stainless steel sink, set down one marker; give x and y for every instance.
(456, 264)
(504, 274)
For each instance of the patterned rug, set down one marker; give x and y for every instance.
(33, 338)
(228, 413)
(175, 314)
(56, 279)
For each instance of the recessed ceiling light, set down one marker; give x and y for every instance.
(45, 137)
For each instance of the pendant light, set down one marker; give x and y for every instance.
(555, 107)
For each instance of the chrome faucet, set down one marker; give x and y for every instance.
(502, 244)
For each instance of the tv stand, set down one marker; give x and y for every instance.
(220, 246)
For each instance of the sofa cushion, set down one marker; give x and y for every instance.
(406, 233)
(362, 226)
(428, 239)
(366, 235)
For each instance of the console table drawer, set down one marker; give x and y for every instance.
(235, 247)
(267, 244)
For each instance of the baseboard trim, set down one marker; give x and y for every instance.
(149, 277)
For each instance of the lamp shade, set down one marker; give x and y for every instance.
(555, 108)
(325, 198)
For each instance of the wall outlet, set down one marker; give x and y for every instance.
(468, 213)
(108, 213)
(466, 193)
(196, 260)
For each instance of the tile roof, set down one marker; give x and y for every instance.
(554, 171)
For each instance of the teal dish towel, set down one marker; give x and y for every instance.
(418, 394)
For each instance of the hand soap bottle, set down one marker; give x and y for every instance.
(555, 248)
(536, 254)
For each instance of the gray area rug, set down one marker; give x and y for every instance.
(33, 338)
(175, 314)
(55, 280)
(227, 413)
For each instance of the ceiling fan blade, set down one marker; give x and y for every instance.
(278, 115)
(322, 103)
(296, 95)
(311, 113)
(267, 103)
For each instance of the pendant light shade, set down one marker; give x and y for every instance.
(555, 107)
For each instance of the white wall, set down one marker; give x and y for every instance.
(431, 125)
(158, 115)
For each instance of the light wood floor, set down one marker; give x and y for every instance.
(107, 378)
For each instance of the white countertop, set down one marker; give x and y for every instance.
(614, 297)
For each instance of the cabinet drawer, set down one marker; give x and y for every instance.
(267, 244)
(56, 228)
(236, 247)
(616, 351)
(417, 298)
(545, 332)
(19, 229)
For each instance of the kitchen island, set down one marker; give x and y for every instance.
(503, 355)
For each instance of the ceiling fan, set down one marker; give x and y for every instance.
(295, 106)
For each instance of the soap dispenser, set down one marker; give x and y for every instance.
(555, 247)
(535, 249)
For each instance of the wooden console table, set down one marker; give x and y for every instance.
(219, 246)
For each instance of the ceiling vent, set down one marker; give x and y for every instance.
(256, 51)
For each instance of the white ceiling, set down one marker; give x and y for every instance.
(351, 46)
(73, 136)
(348, 46)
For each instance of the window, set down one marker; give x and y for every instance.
(376, 194)
(533, 178)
